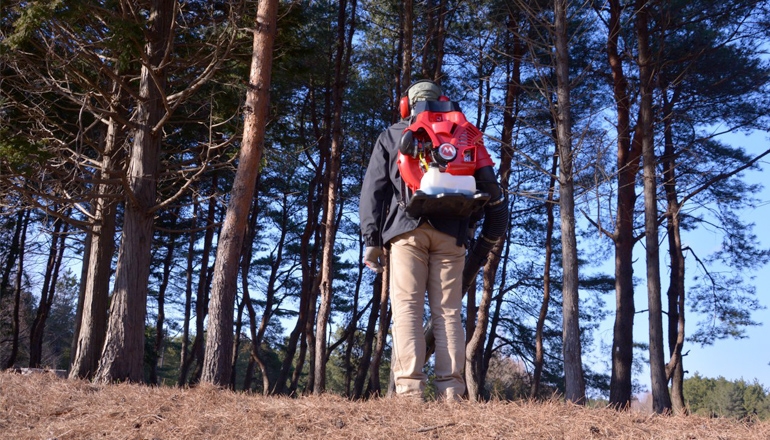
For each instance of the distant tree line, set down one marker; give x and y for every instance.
(200, 164)
(723, 398)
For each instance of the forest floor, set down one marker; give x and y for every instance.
(42, 406)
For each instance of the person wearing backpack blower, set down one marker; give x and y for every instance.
(427, 231)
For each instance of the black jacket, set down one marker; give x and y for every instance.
(383, 217)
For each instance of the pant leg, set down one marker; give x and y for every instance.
(445, 298)
(408, 282)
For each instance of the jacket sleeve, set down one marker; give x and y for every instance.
(376, 194)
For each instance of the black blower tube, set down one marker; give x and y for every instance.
(495, 225)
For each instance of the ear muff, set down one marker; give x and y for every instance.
(403, 107)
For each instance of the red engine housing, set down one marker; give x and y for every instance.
(436, 124)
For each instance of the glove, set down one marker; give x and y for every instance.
(372, 258)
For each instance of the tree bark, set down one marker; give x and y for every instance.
(407, 30)
(160, 320)
(539, 351)
(628, 164)
(55, 256)
(474, 350)
(374, 388)
(661, 401)
(184, 356)
(122, 358)
(246, 254)
(15, 318)
(203, 291)
(93, 321)
(433, 50)
(13, 252)
(307, 263)
(341, 64)
(676, 290)
(574, 382)
(91, 324)
(352, 327)
(275, 266)
(86, 262)
(366, 357)
(219, 341)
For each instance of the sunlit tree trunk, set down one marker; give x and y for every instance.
(219, 340)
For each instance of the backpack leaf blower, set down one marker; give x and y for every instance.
(439, 152)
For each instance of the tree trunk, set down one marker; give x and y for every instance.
(474, 350)
(85, 263)
(55, 256)
(13, 252)
(203, 291)
(219, 345)
(184, 358)
(204, 288)
(373, 388)
(247, 253)
(661, 401)
(676, 291)
(275, 266)
(539, 352)
(15, 318)
(407, 29)
(92, 320)
(353, 326)
(476, 364)
(440, 40)
(168, 262)
(307, 263)
(433, 50)
(122, 358)
(341, 64)
(574, 383)
(237, 343)
(628, 163)
(366, 358)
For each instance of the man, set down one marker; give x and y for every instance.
(426, 254)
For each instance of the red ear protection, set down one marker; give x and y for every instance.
(403, 107)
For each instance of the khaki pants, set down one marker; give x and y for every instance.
(420, 260)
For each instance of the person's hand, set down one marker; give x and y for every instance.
(372, 258)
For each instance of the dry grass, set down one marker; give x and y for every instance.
(43, 406)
